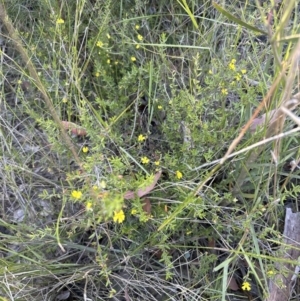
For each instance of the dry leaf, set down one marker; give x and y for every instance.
(63, 295)
(274, 115)
(259, 121)
(74, 128)
(231, 282)
(147, 206)
(129, 195)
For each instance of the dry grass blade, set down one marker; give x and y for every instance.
(288, 112)
(277, 120)
(34, 74)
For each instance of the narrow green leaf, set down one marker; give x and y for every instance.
(185, 6)
(224, 282)
(223, 264)
(261, 264)
(236, 20)
(251, 267)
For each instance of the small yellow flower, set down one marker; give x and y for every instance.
(60, 21)
(108, 61)
(246, 286)
(133, 211)
(159, 107)
(88, 206)
(99, 44)
(133, 59)
(76, 194)
(140, 37)
(244, 71)
(102, 184)
(178, 174)
(145, 160)
(137, 27)
(85, 149)
(231, 67)
(224, 91)
(65, 100)
(97, 74)
(119, 216)
(238, 77)
(232, 64)
(156, 163)
(271, 273)
(108, 35)
(141, 138)
(210, 72)
(137, 46)
(19, 82)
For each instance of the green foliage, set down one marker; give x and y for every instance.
(141, 88)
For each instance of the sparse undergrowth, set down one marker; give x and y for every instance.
(136, 206)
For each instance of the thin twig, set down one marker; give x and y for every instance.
(260, 143)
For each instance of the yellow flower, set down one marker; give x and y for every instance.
(141, 138)
(224, 91)
(140, 37)
(244, 71)
(102, 184)
(99, 44)
(60, 21)
(137, 27)
(145, 160)
(65, 100)
(88, 206)
(271, 273)
(133, 211)
(238, 77)
(137, 46)
(231, 67)
(85, 149)
(76, 194)
(133, 59)
(210, 72)
(232, 64)
(97, 74)
(156, 163)
(178, 174)
(108, 35)
(108, 61)
(159, 107)
(246, 286)
(119, 216)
